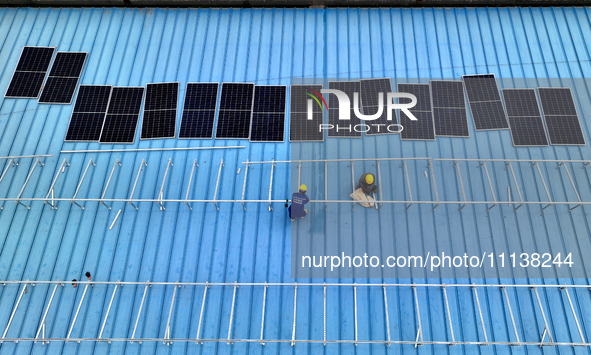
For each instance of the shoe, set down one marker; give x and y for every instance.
(293, 219)
(306, 211)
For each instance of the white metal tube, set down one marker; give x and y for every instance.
(135, 184)
(80, 183)
(263, 315)
(161, 194)
(117, 162)
(543, 316)
(46, 310)
(434, 184)
(26, 182)
(77, 311)
(451, 327)
(14, 310)
(108, 311)
(295, 298)
(461, 183)
(201, 314)
(480, 313)
(574, 315)
(232, 314)
(511, 314)
(516, 185)
(271, 187)
(380, 182)
(353, 180)
(244, 185)
(574, 188)
(355, 299)
(190, 180)
(407, 183)
(215, 195)
(167, 333)
(50, 192)
(115, 220)
(387, 315)
(140, 150)
(139, 313)
(6, 168)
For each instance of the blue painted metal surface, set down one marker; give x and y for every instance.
(132, 47)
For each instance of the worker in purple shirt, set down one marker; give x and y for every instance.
(298, 200)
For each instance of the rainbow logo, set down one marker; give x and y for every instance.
(316, 98)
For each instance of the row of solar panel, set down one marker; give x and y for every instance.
(32, 67)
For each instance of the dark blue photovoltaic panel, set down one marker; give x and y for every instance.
(345, 129)
(63, 78)
(122, 115)
(449, 108)
(423, 128)
(301, 129)
(235, 111)
(370, 90)
(525, 120)
(30, 72)
(485, 102)
(199, 110)
(89, 113)
(561, 116)
(160, 111)
(268, 113)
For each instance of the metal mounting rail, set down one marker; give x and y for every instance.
(136, 150)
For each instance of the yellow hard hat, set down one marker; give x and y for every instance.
(303, 187)
(369, 178)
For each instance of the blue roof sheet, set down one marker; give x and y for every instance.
(133, 47)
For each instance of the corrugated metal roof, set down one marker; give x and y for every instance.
(132, 47)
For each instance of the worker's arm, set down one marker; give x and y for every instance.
(307, 200)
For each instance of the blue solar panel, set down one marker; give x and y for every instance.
(63, 78)
(30, 72)
(268, 113)
(199, 110)
(235, 111)
(160, 111)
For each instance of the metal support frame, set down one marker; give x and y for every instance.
(325, 315)
(77, 312)
(217, 184)
(108, 311)
(189, 186)
(480, 313)
(17, 201)
(80, 184)
(516, 185)
(387, 314)
(430, 165)
(295, 298)
(380, 183)
(139, 313)
(263, 315)
(325, 184)
(353, 181)
(355, 300)
(271, 185)
(61, 170)
(544, 183)
(451, 327)
(115, 220)
(201, 314)
(10, 163)
(42, 324)
(490, 185)
(574, 314)
(420, 328)
(457, 165)
(161, 194)
(244, 185)
(142, 164)
(299, 173)
(23, 291)
(511, 314)
(408, 184)
(546, 328)
(573, 184)
(232, 315)
(101, 202)
(168, 331)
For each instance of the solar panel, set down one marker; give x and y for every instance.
(63, 78)
(370, 88)
(525, 120)
(485, 102)
(199, 110)
(343, 129)
(160, 111)
(235, 111)
(123, 113)
(30, 71)
(89, 113)
(423, 128)
(268, 113)
(449, 108)
(301, 129)
(561, 116)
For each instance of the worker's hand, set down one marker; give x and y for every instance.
(375, 189)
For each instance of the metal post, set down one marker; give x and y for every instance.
(546, 328)
(139, 313)
(299, 173)
(380, 182)
(325, 184)
(115, 220)
(451, 328)
(271, 186)
(189, 187)
(457, 165)
(263, 315)
(324, 314)
(517, 186)
(545, 187)
(232, 313)
(353, 181)
(10, 163)
(244, 185)
(434, 184)
(355, 299)
(295, 297)
(77, 311)
(117, 162)
(42, 325)
(407, 183)
(14, 310)
(387, 315)
(108, 311)
(50, 192)
(215, 195)
(201, 314)
(142, 164)
(480, 313)
(489, 184)
(573, 184)
(511, 314)
(26, 182)
(420, 329)
(574, 315)
(167, 332)
(80, 183)
(161, 194)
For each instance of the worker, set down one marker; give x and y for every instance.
(88, 275)
(74, 284)
(298, 200)
(367, 183)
